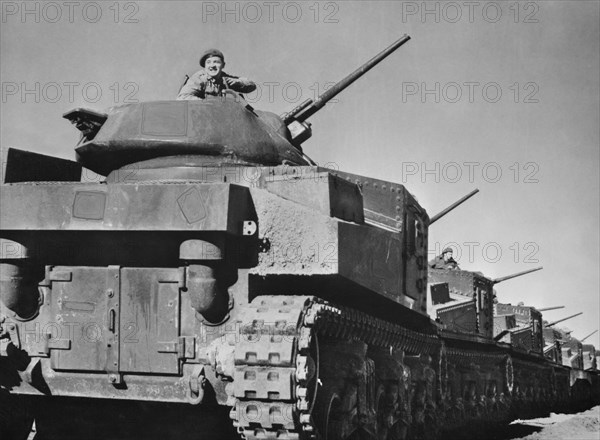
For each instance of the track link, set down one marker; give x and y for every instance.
(275, 378)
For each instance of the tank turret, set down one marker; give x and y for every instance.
(216, 131)
(525, 330)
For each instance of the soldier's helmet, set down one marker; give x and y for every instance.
(447, 250)
(211, 53)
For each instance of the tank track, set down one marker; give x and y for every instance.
(273, 385)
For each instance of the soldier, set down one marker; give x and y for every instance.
(212, 80)
(444, 261)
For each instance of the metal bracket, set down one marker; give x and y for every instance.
(13, 334)
(249, 227)
(60, 275)
(54, 344)
(113, 319)
(185, 347)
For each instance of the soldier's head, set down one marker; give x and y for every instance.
(447, 254)
(213, 62)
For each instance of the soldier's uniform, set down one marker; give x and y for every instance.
(201, 84)
(440, 263)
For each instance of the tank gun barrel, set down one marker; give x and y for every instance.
(514, 275)
(442, 213)
(550, 324)
(295, 119)
(593, 333)
(545, 309)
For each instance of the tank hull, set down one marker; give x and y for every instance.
(293, 300)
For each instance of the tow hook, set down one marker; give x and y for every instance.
(197, 384)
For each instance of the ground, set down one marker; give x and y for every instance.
(580, 426)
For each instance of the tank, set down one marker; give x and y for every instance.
(219, 284)
(526, 333)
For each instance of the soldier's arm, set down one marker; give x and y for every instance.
(246, 86)
(193, 88)
(239, 84)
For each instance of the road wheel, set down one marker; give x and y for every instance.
(328, 415)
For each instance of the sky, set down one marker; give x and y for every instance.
(500, 96)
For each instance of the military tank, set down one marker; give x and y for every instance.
(218, 284)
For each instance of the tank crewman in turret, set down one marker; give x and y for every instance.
(444, 261)
(212, 80)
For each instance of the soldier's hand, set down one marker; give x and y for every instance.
(232, 81)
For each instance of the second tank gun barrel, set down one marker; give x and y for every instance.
(550, 324)
(514, 275)
(295, 119)
(593, 333)
(545, 309)
(442, 213)
(332, 92)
